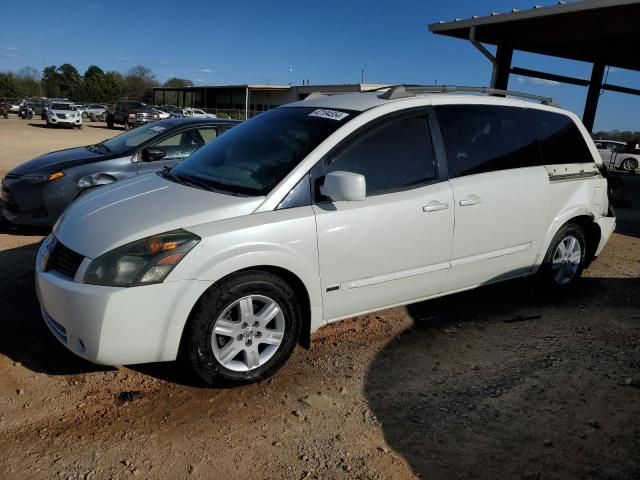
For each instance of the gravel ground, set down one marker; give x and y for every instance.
(500, 382)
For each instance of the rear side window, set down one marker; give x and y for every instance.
(560, 139)
(394, 154)
(486, 138)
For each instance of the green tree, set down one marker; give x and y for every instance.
(115, 86)
(70, 81)
(51, 82)
(178, 83)
(94, 87)
(8, 85)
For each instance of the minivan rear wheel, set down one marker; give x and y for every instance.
(242, 330)
(564, 261)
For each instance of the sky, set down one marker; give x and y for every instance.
(281, 42)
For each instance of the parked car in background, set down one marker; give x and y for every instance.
(94, 109)
(619, 155)
(36, 192)
(161, 113)
(316, 211)
(130, 114)
(608, 145)
(63, 114)
(14, 105)
(195, 112)
(191, 112)
(178, 113)
(38, 108)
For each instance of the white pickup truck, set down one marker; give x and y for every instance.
(618, 155)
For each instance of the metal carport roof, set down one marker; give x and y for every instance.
(601, 32)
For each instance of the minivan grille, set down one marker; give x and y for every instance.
(64, 260)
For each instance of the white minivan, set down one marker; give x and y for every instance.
(318, 211)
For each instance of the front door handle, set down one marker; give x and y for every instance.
(435, 206)
(470, 200)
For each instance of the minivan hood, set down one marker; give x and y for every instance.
(139, 207)
(55, 161)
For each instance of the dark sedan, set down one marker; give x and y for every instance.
(36, 192)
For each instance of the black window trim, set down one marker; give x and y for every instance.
(436, 133)
(317, 172)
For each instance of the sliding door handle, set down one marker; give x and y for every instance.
(435, 206)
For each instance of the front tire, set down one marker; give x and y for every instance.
(242, 330)
(565, 259)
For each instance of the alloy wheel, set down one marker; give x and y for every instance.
(566, 260)
(248, 333)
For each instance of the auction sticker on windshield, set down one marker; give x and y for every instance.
(330, 114)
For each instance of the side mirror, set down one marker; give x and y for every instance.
(153, 154)
(346, 186)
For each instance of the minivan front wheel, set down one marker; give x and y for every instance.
(242, 330)
(565, 258)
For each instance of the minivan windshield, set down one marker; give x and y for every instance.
(255, 156)
(133, 138)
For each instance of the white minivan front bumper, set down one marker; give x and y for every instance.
(116, 326)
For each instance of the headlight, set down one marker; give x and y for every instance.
(142, 262)
(132, 115)
(43, 177)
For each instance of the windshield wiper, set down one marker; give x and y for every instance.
(103, 146)
(189, 181)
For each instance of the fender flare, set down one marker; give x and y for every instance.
(559, 221)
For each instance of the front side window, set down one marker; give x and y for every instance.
(134, 138)
(253, 157)
(560, 138)
(486, 138)
(184, 143)
(394, 154)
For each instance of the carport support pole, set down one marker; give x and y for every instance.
(246, 103)
(501, 67)
(591, 104)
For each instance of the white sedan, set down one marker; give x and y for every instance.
(197, 113)
(617, 155)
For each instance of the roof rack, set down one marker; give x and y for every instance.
(402, 91)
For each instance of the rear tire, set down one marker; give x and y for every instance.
(564, 262)
(629, 164)
(242, 330)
